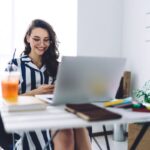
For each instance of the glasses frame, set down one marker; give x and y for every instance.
(38, 40)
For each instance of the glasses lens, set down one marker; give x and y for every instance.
(38, 41)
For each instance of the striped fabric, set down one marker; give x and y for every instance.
(31, 78)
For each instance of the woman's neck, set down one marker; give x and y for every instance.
(37, 60)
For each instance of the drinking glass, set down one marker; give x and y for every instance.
(9, 84)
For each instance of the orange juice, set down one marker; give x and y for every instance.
(9, 86)
(10, 90)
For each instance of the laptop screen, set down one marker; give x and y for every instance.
(83, 79)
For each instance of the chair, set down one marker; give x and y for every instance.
(6, 139)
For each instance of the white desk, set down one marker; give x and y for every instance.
(55, 117)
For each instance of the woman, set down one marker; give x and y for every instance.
(38, 66)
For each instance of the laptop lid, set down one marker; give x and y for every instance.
(84, 79)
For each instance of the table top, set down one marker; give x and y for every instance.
(55, 117)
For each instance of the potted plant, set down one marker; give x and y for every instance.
(143, 95)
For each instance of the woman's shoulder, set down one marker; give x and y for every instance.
(22, 58)
(25, 58)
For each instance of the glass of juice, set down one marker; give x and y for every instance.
(9, 86)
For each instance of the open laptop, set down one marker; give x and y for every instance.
(84, 79)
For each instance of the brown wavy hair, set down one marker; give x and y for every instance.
(50, 57)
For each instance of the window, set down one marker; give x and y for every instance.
(5, 30)
(62, 15)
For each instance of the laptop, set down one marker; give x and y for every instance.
(84, 79)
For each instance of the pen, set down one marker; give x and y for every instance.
(118, 102)
(111, 103)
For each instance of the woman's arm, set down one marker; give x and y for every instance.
(43, 89)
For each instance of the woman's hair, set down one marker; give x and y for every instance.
(51, 55)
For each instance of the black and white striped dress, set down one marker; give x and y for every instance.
(31, 78)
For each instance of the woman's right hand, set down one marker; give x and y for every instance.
(45, 89)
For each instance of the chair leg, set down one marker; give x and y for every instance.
(6, 140)
(106, 137)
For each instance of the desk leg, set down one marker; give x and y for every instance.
(97, 143)
(140, 136)
(106, 138)
(119, 132)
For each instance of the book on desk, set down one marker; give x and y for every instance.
(91, 112)
(25, 103)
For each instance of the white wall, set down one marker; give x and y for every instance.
(99, 30)
(117, 28)
(135, 35)
(99, 27)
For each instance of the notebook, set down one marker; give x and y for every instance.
(84, 79)
(91, 112)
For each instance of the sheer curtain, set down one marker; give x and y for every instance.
(16, 15)
(5, 31)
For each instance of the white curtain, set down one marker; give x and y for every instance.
(16, 15)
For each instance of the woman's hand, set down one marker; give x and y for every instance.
(43, 89)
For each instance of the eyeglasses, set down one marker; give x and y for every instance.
(39, 40)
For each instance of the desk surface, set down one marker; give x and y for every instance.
(55, 117)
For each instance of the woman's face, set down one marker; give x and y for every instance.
(39, 41)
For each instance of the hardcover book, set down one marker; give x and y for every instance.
(91, 112)
(25, 103)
